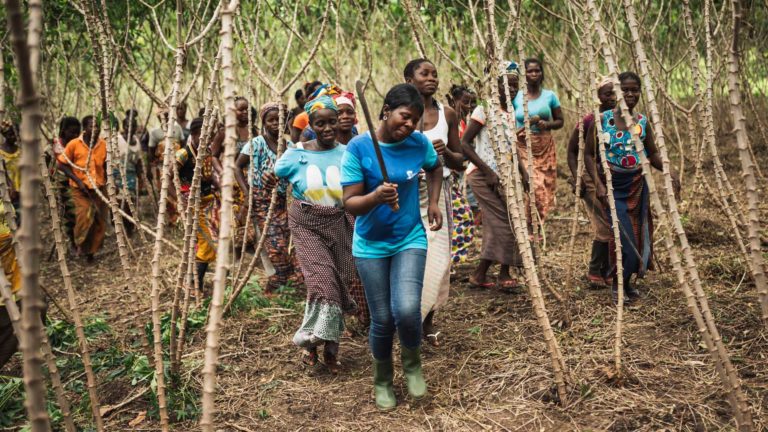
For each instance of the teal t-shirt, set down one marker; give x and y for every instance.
(382, 232)
(315, 175)
(542, 106)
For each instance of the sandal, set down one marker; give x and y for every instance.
(509, 286)
(433, 339)
(597, 282)
(479, 285)
(332, 363)
(309, 357)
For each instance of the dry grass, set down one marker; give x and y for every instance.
(493, 371)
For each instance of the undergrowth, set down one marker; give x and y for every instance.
(116, 365)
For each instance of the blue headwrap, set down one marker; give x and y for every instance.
(320, 102)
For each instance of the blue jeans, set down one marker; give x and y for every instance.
(393, 291)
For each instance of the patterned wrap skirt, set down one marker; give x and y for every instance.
(635, 222)
(323, 239)
(544, 172)
(463, 228)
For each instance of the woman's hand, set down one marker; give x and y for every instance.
(542, 125)
(435, 217)
(386, 193)
(491, 178)
(269, 179)
(439, 146)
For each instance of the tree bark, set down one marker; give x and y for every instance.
(29, 234)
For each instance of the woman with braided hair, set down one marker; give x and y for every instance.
(260, 154)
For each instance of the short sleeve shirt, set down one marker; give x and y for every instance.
(315, 176)
(77, 152)
(542, 106)
(262, 160)
(383, 232)
(483, 139)
(620, 150)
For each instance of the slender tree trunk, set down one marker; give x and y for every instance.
(747, 166)
(711, 336)
(709, 138)
(225, 231)
(15, 316)
(29, 234)
(74, 307)
(518, 214)
(619, 277)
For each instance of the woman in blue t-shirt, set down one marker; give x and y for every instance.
(390, 244)
(322, 233)
(544, 115)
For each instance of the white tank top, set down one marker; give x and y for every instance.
(439, 132)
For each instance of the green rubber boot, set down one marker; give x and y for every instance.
(383, 389)
(414, 378)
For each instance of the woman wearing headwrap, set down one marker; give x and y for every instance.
(322, 233)
(630, 190)
(599, 264)
(262, 151)
(345, 101)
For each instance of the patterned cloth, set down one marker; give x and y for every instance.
(636, 224)
(10, 265)
(262, 160)
(206, 240)
(463, 229)
(277, 241)
(321, 102)
(437, 272)
(621, 151)
(12, 171)
(90, 220)
(323, 238)
(545, 171)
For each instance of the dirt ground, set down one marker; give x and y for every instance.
(493, 371)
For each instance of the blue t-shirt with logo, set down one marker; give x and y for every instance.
(542, 106)
(383, 232)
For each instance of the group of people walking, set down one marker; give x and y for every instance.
(370, 230)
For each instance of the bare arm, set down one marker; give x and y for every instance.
(434, 189)
(358, 203)
(573, 152)
(453, 156)
(67, 170)
(557, 121)
(242, 162)
(590, 163)
(473, 128)
(217, 147)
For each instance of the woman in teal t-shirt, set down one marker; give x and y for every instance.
(390, 247)
(322, 233)
(545, 115)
